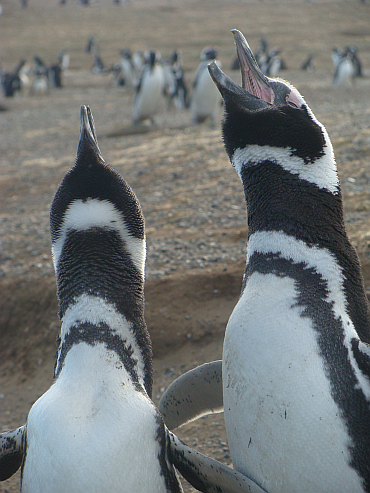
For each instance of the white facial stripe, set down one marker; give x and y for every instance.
(322, 172)
(325, 264)
(95, 310)
(95, 213)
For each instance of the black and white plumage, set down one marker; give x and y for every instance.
(308, 63)
(347, 66)
(96, 428)
(125, 71)
(205, 99)
(175, 87)
(296, 357)
(149, 90)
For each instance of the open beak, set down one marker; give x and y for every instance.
(256, 90)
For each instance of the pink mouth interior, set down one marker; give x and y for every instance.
(252, 85)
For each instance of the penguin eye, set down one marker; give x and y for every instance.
(292, 104)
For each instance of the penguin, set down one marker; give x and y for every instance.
(205, 99)
(97, 429)
(126, 73)
(344, 68)
(296, 353)
(149, 90)
(175, 88)
(307, 63)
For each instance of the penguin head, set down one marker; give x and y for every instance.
(152, 57)
(209, 53)
(93, 195)
(266, 111)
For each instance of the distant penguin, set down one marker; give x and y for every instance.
(296, 355)
(149, 90)
(344, 70)
(11, 84)
(308, 64)
(91, 44)
(55, 75)
(175, 87)
(126, 75)
(96, 429)
(205, 99)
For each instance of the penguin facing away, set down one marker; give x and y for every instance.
(96, 429)
(149, 90)
(296, 356)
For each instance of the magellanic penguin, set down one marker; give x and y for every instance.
(344, 72)
(149, 90)
(205, 99)
(96, 429)
(296, 356)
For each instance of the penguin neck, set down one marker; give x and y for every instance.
(95, 323)
(279, 200)
(310, 217)
(94, 262)
(101, 299)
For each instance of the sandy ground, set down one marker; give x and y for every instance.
(191, 197)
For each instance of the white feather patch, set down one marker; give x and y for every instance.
(322, 172)
(95, 310)
(95, 213)
(325, 264)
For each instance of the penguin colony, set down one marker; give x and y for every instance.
(96, 428)
(295, 374)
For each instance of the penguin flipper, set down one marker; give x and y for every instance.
(11, 451)
(361, 352)
(206, 474)
(194, 394)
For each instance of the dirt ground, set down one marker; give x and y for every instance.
(191, 197)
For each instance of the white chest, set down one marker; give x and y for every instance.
(283, 426)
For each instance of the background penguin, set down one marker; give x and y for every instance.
(149, 90)
(308, 63)
(344, 67)
(296, 356)
(125, 71)
(205, 99)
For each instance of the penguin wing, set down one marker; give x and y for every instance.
(361, 352)
(192, 395)
(206, 474)
(144, 70)
(11, 451)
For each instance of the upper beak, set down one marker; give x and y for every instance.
(256, 90)
(87, 132)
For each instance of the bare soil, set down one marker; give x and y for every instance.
(191, 197)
